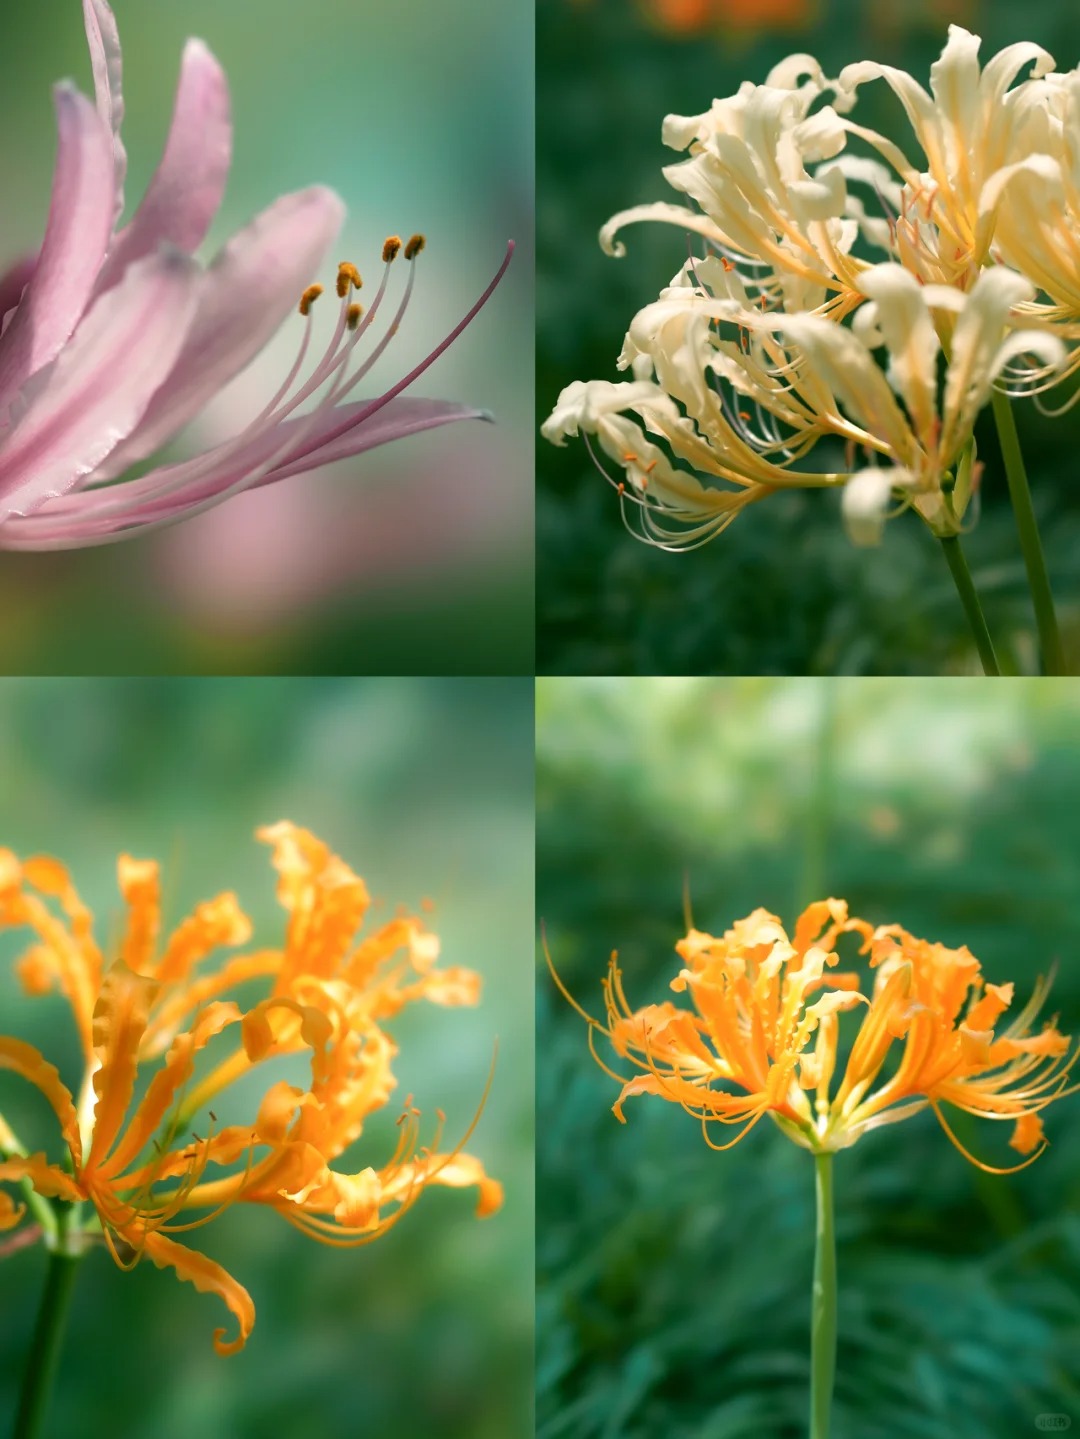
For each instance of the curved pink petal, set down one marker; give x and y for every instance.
(75, 519)
(187, 187)
(98, 389)
(76, 239)
(250, 288)
(14, 281)
(103, 38)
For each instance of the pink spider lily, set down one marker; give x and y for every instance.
(113, 340)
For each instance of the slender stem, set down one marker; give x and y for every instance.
(1053, 658)
(45, 1347)
(965, 588)
(823, 1313)
(820, 804)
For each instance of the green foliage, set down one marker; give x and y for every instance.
(783, 591)
(673, 1282)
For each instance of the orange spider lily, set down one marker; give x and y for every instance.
(760, 998)
(138, 1162)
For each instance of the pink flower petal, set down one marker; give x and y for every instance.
(103, 38)
(250, 288)
(98, 389)
(76, 238)
(186, 190)
(76, 519)
(13, 282)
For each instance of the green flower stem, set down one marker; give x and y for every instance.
(1053, 659)
(823, 1312)
(965, 588)
(47, 1341)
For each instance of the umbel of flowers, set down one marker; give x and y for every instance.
(848, 304)
(163, 1035)
(760, 1036)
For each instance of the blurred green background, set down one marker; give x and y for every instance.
(425, 787)
(673, 1283)
(783, 591)
(413, 559)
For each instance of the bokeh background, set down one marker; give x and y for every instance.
(673, 1283)
(413, 559)
(426, 789)
(783, 591)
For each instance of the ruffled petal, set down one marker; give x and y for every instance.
(119, 1023)
(208, 1278)
(25, 1060)
(167, 1083)
(48, 1179)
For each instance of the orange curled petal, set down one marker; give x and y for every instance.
(10, 1213)
(141, 888)
(168, 1082)
(24, 1059)
(208, 1278)
(1028, 1134)
(120, 1018)
(48, 1179)
(216, 922)
(458, 1172)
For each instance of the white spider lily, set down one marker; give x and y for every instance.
(761, 208)
(1036, 202)
(971, 127)
(742, 412)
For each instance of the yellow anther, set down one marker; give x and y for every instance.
(353, 316)
(308, 298)
(391, 248)
(415, 245)
(347, 275)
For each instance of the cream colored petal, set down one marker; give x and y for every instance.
(909, 334)
(954, 82)
(978, 334)
(866, 500)
(849, 370)
(664, 213)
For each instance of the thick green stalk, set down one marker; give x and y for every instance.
(1053, 659)
(965, 588)
(46, 1344)
(823, 1311)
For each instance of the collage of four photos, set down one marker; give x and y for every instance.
(540, 720)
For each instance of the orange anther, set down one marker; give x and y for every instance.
(347, 275)
(308, 298)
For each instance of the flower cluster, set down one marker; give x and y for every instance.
(763, 1035)
(113, 339)
(133, 1155)
(824, 246)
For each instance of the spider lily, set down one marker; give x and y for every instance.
(113, 340)
(974, 130)
(139, 1163)
(740, 397)
(761, 209)
(762, 1036)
